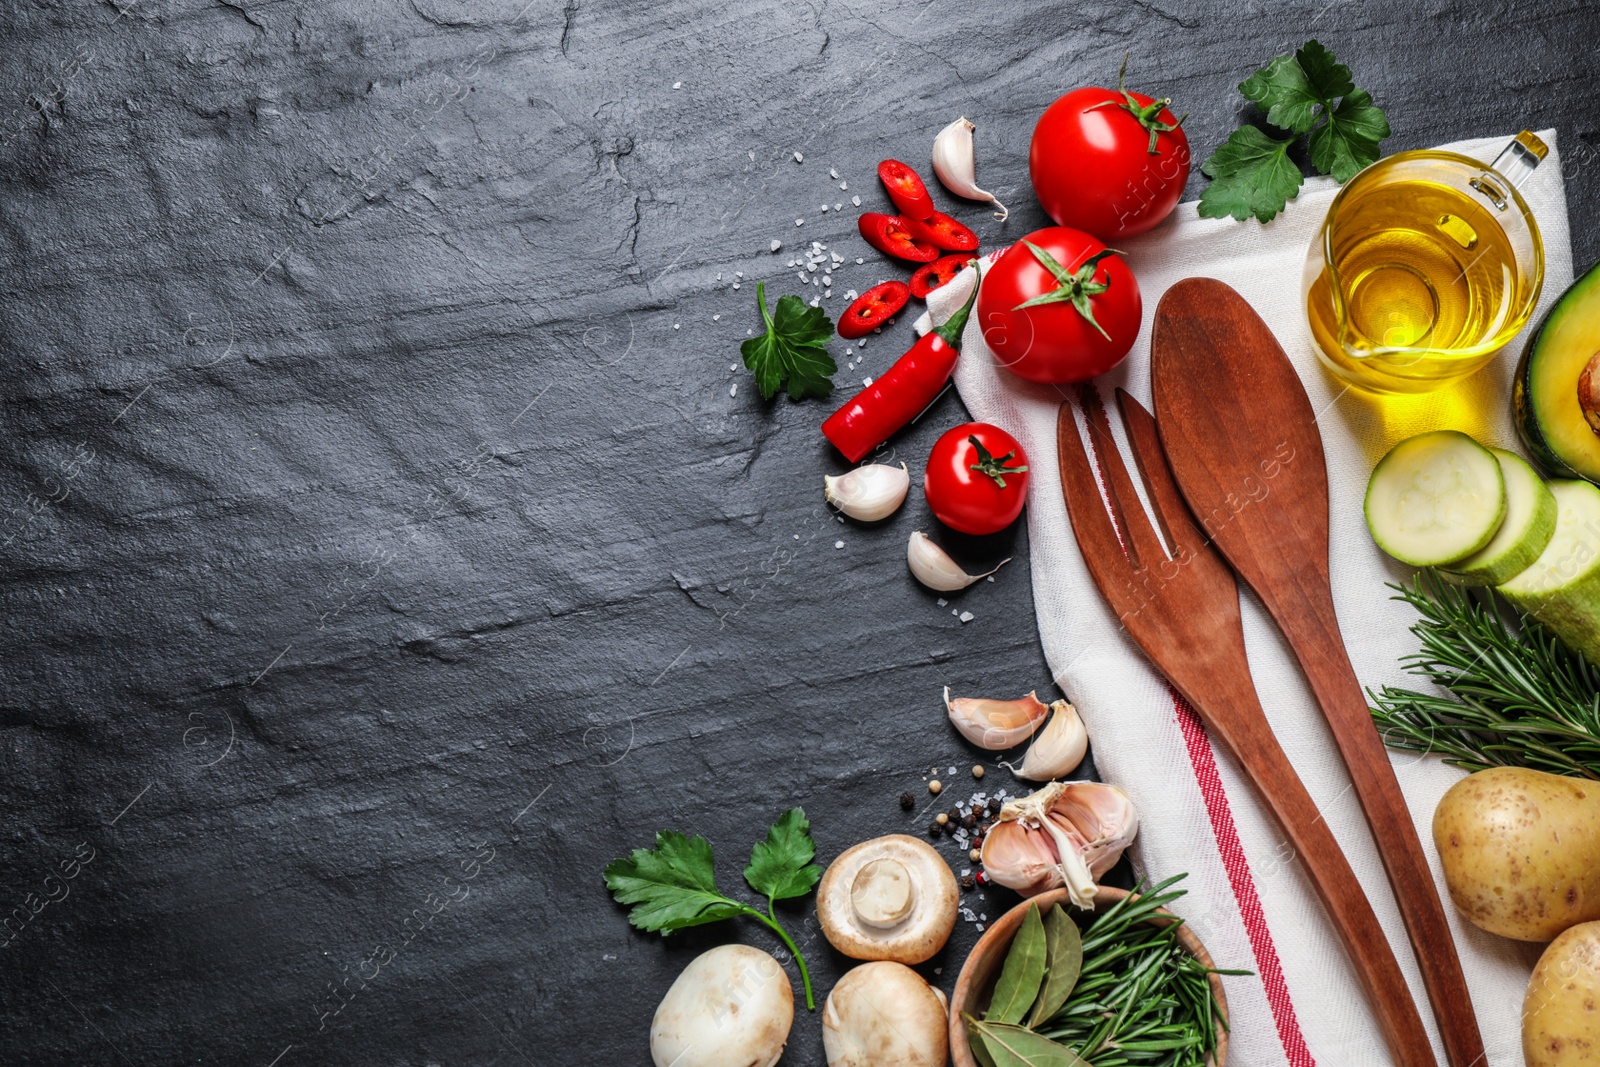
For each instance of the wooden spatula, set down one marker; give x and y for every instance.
(1243, 444)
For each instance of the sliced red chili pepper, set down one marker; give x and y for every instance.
(942, 231)
(891, 235)
(872, 309)
(905, 188)
(902, 392)
(939, 272)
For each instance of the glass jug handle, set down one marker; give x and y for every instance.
(1513, 165)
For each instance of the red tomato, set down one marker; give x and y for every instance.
(905, 188)
(889, 235)
(1109, 162)
(932, 275)
(872, 309)
(942, 230)
(1083, 320)
(977, 479)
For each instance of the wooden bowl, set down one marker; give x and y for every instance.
(982, 969)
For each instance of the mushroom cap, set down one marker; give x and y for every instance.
(731, 1007)
(890, 898)
(884, 1015)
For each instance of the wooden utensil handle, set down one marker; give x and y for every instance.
(1243, 729)
(1344, 704)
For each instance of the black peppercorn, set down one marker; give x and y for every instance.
(955, 814)
(934, 829)
(969, 820)
(907, 801)
(994, 805)
(967, 881)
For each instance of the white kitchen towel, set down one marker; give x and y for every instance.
(1248, 899)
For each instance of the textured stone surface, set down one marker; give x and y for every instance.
(373, 530)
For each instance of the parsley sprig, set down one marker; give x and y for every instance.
(674, 885)
(793, 352)
(1308, 93)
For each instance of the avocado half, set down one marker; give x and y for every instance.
(1544, 393)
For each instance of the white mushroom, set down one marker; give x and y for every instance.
(731, 1007)
(891, 898)
(884, 1015)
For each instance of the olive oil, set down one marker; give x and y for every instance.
(1416, 280)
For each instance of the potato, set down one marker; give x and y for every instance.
(1561, 1013)
(1521, 851)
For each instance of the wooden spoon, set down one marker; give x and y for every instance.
(1243, 444)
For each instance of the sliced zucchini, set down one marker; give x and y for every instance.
(1562, 587)
(1435, 498)
(1529, 524)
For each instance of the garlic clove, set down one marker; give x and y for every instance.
(933, 567)
(1103, 816)
(1020, 858)
(953, 162)
(1060, 746)
(1066, 834)
(868, 493)
(995, 724)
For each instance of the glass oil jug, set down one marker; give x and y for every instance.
(1427, 265)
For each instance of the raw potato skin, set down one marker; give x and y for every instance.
(1521, 851)
(1561, 1013)
(731, 1007)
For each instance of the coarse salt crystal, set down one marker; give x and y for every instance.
(827, 292)
(738, 274)
(716, 318)
(677, 326)
(868, 381)
(832, 173)
(826, 280)
(838, 544)
(719, 275)
(850, 294)
(802, 275)
(838, 207)
(860, 260)
(677, 85)
(824, 209)
(966, 616)
(733, 390)
(798, 158)
(844, 185)
(942, 602)
(856, 200)
(816, 301)
(736, 285)
(799, 222)
(811, 266)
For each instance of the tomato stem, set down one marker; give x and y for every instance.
(1074, 288)
(1149, 115)
(994, 468)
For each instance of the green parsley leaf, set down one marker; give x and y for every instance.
(671, 886)
(1291, 88)
(792, 353)
(1349, 140)
(1251, 174)
(781, 867)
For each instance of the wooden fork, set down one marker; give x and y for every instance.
(1182, 609)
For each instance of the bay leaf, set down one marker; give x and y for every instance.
(1063, 960)
(1021, 974)
(1017, 1046)
(980, 1051)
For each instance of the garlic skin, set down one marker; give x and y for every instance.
(953, 162)
(996, 724)
(933, 567)
(1060, 746)
(868, 493)
(1066, 834)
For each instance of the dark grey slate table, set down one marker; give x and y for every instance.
(385, 538)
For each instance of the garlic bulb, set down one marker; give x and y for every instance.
(953, 163)
(996, 724)
(1066, 834)
(1060, 746)
(868, 493)
(933, 567)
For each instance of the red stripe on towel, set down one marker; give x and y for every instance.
(1204, 760)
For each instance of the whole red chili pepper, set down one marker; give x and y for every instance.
(901, 393)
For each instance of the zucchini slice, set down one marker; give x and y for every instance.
(1529, 524)
(1562, 587)
(1435, 498)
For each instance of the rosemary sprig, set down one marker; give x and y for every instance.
(1521, 697)
(1140, 998)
